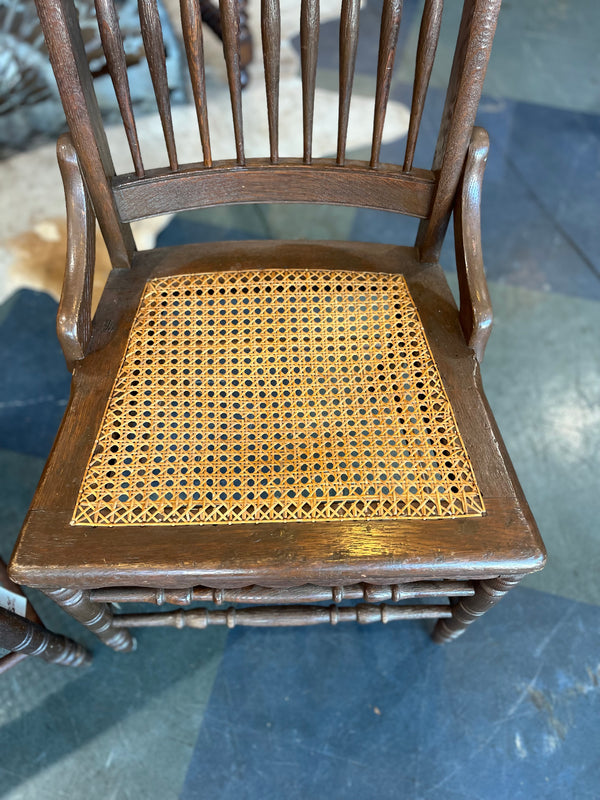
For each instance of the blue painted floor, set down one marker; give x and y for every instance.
(512, 709)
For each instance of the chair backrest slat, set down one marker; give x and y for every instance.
(309, 50)
(194, 48)
(112, 43)
(348, 44)
(391, 16)
(474, 44)
(429, 35)
(68, 57)
(271, 42)
(230, 26)
(154, 47)
(427, 194)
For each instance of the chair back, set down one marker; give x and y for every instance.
(119, 199)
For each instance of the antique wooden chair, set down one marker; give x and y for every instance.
(276, 423)
(24, 634)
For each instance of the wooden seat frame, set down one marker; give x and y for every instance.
(285, 568)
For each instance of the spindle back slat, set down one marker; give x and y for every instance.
(194, 48)
(230, 24)
(404, 188)
(388, 39)
(112, 43)
(429, 35)
(348, 45)
(154, 47)
(271, 41)
(309, 48)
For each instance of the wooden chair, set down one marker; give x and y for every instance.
(276, 423)
(26, 635)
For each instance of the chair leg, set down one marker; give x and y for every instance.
(98, 617)
(21, 635)
(466, 611)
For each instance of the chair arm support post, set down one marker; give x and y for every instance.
(74, 319)
(475, 304)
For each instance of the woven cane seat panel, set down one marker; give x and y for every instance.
(257, 396)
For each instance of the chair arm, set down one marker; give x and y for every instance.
(74, 319)
(475, 305)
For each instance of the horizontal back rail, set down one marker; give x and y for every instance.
(401, 188)
(288, 181)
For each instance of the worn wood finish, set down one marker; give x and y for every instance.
(112, 43)
(97, 617)
(475, 304)
(74, 81)
(290, 563)
(465, 612)
(74, 319)
(211, 16)
(309, 50)
(52, 552)
(349, 23)
(272, 616)
(23, 636)
(388, 39)
(230, 16)
(369, 593)
(290, 181)
(429, 35)
(28, 636)
(157, 63)
(194, 48)
(271, 42)
(471, 56)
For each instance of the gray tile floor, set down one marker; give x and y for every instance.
(383, 713)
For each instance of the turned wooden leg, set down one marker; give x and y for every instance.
(98, 617)
(466, 610)
(21, 635)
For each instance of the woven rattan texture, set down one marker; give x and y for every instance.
(255, 396)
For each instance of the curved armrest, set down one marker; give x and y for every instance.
(475, 304)
(74, 320)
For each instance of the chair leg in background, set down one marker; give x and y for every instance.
(468, 609)
(98, 617)
(21, 635)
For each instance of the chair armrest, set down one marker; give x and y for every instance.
(475, 304)
(74, 319)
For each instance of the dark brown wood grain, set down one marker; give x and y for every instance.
(74, 319)
(97, 617)
(194, 48)
(112, 43)
(473, 49)
(475, 304)
(230, 17)
(429, 35)
(285, 566)
(284, 616)
(155, 55)
(368, 592)
(271, 40)
(309, 49)
(290, 181)
(27, 635)
(465, 612)
(51, 552)
(23, 636)
(349, 24)
(391, 16)
(74, 81)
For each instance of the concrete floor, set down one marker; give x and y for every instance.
(511, 710)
